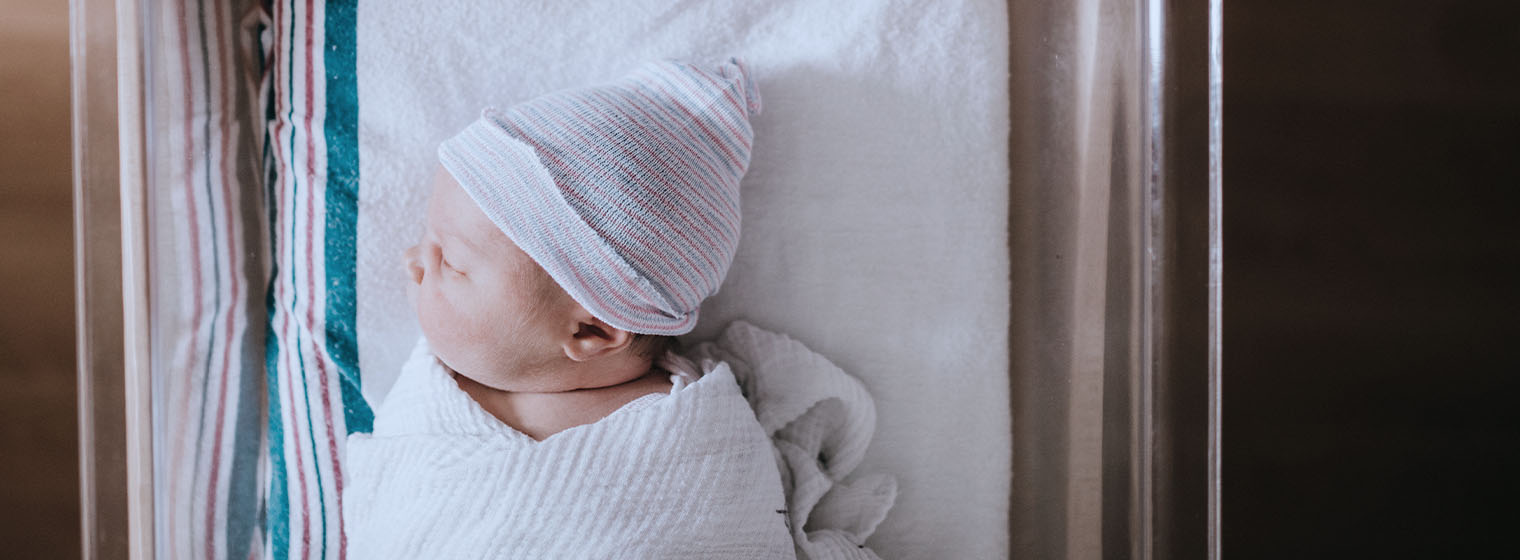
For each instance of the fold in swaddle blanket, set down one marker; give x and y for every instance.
(820, 420)
(691, 474)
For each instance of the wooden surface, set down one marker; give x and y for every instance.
(38, 445)
(1371, 238)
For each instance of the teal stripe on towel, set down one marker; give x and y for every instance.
(275, 515)
(342, 137)
(277, 512)
(242, 483)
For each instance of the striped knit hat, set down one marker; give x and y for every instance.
(626, 193)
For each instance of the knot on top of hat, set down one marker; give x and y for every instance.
(737, 71)
(627, 192)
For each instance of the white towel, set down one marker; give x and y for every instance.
(688, 475)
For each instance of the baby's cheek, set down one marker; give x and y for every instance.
(432, 316)
(449, 331)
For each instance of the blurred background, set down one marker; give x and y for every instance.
(1371, 237)
(39, 449)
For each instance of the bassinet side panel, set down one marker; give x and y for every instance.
(1115, 315)
(209, 276)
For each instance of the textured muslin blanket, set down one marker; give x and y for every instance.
(691, 474)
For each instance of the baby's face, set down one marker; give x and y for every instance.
(488, 310)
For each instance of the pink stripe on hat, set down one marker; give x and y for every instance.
(626, 193)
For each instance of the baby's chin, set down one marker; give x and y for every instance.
(511, 380)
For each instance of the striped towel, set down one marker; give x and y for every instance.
(313, 387)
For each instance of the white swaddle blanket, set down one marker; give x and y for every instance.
(691, 474)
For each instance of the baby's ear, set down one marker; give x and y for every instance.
(594, 338)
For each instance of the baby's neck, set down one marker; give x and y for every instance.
(540, 415)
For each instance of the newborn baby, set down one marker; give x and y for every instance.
(544, 413)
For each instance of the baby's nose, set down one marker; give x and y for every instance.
(412, 257)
